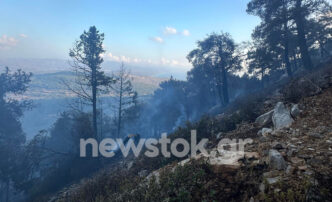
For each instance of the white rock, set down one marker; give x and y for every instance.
(266, 131)
(272, 180)
(130, 164)
(155, 174)
(276, 160)
(295, 111)
(143, 173)
(262, 187)
(264, 119)
(281, 117)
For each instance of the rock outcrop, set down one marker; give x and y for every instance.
(276, 161)
(264, 119)
(281, 117)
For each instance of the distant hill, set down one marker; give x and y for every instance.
(51, 85)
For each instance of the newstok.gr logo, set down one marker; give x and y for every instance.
(110, 147)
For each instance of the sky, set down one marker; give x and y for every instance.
(158, 32)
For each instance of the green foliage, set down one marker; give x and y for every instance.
(288, 28)
(12, 137)
(216, 51)
(292, 191)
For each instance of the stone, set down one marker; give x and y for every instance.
(302, 168)
(219, 135)
(276, 160)
(289, 169)
(259, 133)
(315, 135)
(297, 161)
(143, 173)
(281, 117)
(295, 110)
(278, 145)
(251, 155)
(291, 152)
(184, 162)
(264, 119)
(272, 180)
(266, 131)
(262, 187)
(155, 174)
(130, 164)
(308, 173)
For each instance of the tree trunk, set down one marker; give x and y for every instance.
(286, 43)
(294, 60)
(224, 85)
(299, 20)
(120, 106)
(94, 102)
(219, 87)
(262, 81)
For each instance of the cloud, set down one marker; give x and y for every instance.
(170, 31)
(157, 39)
(163, 61)
(7, 42)
(23, 36)
(112, 57)
(121, 58)
(185, 32)
(174, 62)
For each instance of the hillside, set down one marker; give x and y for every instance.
(289, 159)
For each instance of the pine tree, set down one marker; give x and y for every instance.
(91, 80)
(217, 50)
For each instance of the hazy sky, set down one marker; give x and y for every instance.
(136, 31)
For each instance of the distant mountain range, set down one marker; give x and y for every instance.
(51, 85)
(42, 66)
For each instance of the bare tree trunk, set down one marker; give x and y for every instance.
(299, 20)
(120, 107)
(286, 55)
(101, 120)
(286, 42)
(218, 80)
(94, 102)
(262, 81)
(225, 85)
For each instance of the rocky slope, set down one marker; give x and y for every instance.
(289, 158)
